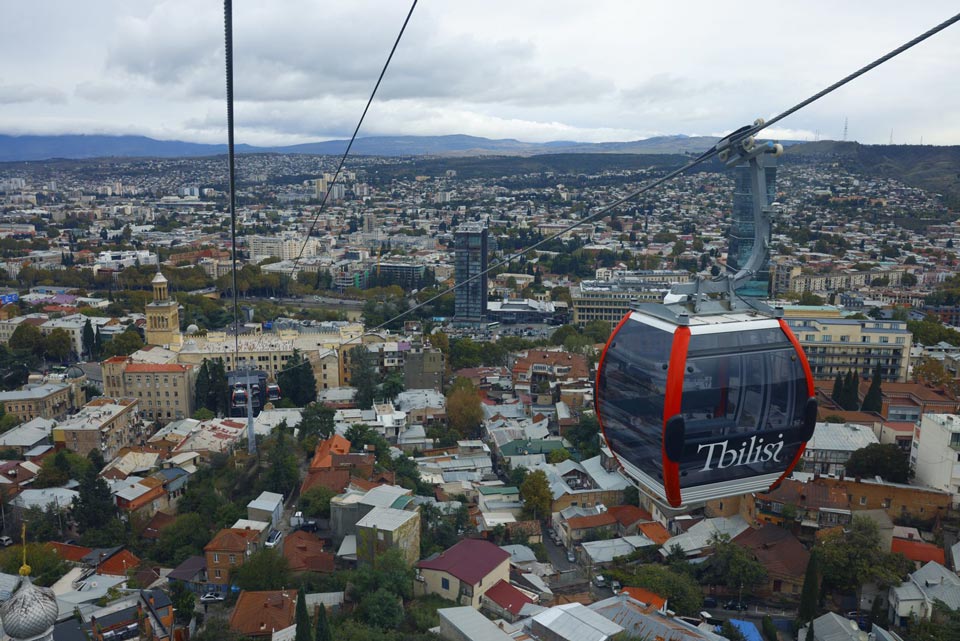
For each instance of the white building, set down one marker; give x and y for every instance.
(119, 260)
(937, 453)
(832, 444)
(285, 246)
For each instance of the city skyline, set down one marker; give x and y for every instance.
(535, 72)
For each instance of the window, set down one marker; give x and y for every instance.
(900, 340)
(864, 339)
(886, 503)
(233, 559)
(445, 584)
(827, 338)
(863, 500)
(844, 339)
(884, 339)
(216, 558)
(216, 574)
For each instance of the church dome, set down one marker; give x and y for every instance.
(159, 278)
(30, 614)
(74, 372)
(192, 329)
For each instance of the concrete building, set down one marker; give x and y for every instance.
(915, 597)
(610, 300)
(121, 259)
(49, 400)
(937, 453)
(384, 528)
(285, 246)
(838, 345)
(163, 316)
(266, 507)
(832, 444)
(165, 390)
(104, 424)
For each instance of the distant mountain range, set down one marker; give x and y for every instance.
(21, 148)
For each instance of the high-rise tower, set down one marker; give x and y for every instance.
(742, 226)
(470, 254)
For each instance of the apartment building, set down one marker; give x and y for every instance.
(164, 390)
(285, 246)
(838, 345)
(49, 400)
(610, 300)
(792, 278)
(937, 453)
(104, 424)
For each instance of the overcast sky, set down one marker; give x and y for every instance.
(535, 71)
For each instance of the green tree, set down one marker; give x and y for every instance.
(89, 340)
(202, 399)
(316, 420)
(382, 609)
(124, 343)
(302, 618)
(837, 394)
(283, 473)
(203, 414)
(26, 337)
(558, 456)
(183, 601)
(873, 400)
(810, 594)
(536, 496)
(679, 588)
(265, 569)
(322, 632)
(316, 501)
(96, 460)
(46, 566)
(584, 436)
(732, 565)
(363, 377)
(219, 402)
(769, 629)
(57, 344)
(731, 632)
(885, 460)
(392, 386)
(297, 380)
(180, 540)
(852, 557)
(389, 572)
(95, 512)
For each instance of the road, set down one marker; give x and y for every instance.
(309, 301)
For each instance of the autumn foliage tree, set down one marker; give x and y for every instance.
(464, 412)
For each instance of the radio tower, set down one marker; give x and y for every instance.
(845, 121)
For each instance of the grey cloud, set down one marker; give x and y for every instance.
(21, 93)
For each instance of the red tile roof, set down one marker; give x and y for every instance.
(627, 515)
(258, 614)
(469, 560)
(304, 552)
(594, 520)
(507, 597)
(645, 596)
(323, 458)
(156, 523)
(156, 368)
(119, 564)
(231, 540)
(655, 532)
(776, 549)
(69, 552)
(918, 550)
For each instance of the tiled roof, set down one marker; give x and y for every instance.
(629, 514)
(189, 569)
(336, 444)
(260, 613)
(776, 549)
(594, 520)
(231, 540)
(655, 532)
(645, 596)
(156, 368)
(67, 552)
(304, 552)
(507, 597)
(469, 560)
(918, 551)
(119, 564)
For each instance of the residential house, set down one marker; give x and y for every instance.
(572, 622)
(697, 540)
(813, 506)
(193, 574)
(258, 614)
(540, 368)
(104, 424)
(347, 509)
(506, 601)
(266, 507)
(595, 481)
(27, 436)
(601, 553)
(464, 572)
(148, 617)
(915, 597)
(466, 624)
(576, 524)
(304, 553)
(228, 549)
(385, 528)
(920, 552)
(936, 455)
(782, 555)
(831, 445)
(645, 618)
(833, 627)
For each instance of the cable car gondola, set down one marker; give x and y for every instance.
(711, 395)
(273, 392)
(239, 396)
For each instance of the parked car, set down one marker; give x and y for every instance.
(615, 586)
(709, 602)
(273, 539)
(600, 581)
(571, 556)
(211, 597)
(740, 606)
(6, 541)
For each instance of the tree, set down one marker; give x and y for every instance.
(885, 460)
(124, 343)
(302, 618)
(283, 473)
(316, 420)
(89, 340)
(392, 386)
(731, 632)
(382, 609)
(732, 565)
(464, 411)
(57, 344)
(837, 394)
(183, 601)
(46, 566)
(363, 377)
(389, 572)
(27, 338)
(810, 635)
(180, 540)
(96, 460)
(265, 569)
(316, 501)
(679, 588)
(585, 436)
(219, 399)
(202, 398)
(203, 414)
(322, 632)
(536, 496)
(297, 380)
(852, 557)
(95, 512)
(810, 594)
(873, 400)
(558, 456)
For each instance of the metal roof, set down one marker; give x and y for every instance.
(576, 622)
(472, 625)
(841, 437)
(385, 518)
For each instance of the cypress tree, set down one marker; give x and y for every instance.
(202, 389)
(323, 626)
(302, 619)
(855, 392)
(809, 636)
(873, 401)
(97, 344)
(811, 590)
(88, 339)
(837, 394)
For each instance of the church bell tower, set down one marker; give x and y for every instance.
(163, 317)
